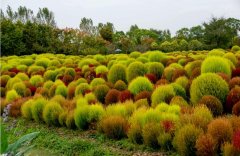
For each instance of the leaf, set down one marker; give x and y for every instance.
(23, 151)
(15, 146)
(4, 140)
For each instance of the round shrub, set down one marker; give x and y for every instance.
(22, 76)
(183, 81)
(185, 139)
(36, 80)
(11, 82)
(70, 71)
(168, 73)
(11, 96)
(135, 69)
(4, 80)
(157, 56)
(191, 66)
(213, 104)
(112, 96)
(235, 48)
(162, 94)
(135, 134)
(236, 140)
(37, 108)
(42, 62)
(101, 69)
(117, 72)
(179, 90)
(179, 100)
(150, 134)
(125, 95)
(96, 113)
(216, 64)
(114, 127)
(221, 131)
(50, 75)
(97, 81)
(232, 98)
(156, 68)
(61, 90)
(120, 85)
(208, 84)
(82, 88)
(231, 57)
(26, 109)
(51, 112)
(27, 62)
(143, 95)
(70, 122)
(205, 145)
(20, 88)
(48, 84)
(236, 109)
(216, 52)
(234, 82)
(134, 54)
(81, 117)
(140, 84)
(100, 92)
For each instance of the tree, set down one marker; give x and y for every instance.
(86, 25)
(195, 45)
(196, 33)
(45, 16)
(106, 31)
(183, 34)
(219, 33)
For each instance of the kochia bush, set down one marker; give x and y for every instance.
(216, 64)
(117, 72)
(140, 84)
(134, 70)
(208, 84)
(51, 112)
(156, 68)
(162, 94)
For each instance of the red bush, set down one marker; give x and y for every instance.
(232, 98)
(125, 95)
(236, 109)
(15, 109)
(195, 73)
(224, 77)
(161, 82)
(67, 79)
(143, 95)
(234, 82)
(112, 96)
(15, 70)
(236, 140)
(151, 77)
(78, 69)
(168, 126)
(178, 73)
(236, 72)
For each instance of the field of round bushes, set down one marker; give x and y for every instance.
(183, 102)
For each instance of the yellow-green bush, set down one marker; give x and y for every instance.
(140, 84)
(135, 69)
(117, 72)
(26, 109)
(12, 95)
(51, 112)
(37, 108)
(162, 94)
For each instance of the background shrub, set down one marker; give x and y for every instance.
(117, 72)
(26, 109)
(140, 84)
(97, 81)
(236, 109)
(11, 96)
(125, 95)
(162, 94)
(36, 80)
(157, 56)
(20, 88)
(82, 88)
(135, 69)
(216, 64)
(37, 108)
(232, 98)
(234, 82)
(120, 85)
(61, 90)
(101, 69)
(208, 84)
(112, 96)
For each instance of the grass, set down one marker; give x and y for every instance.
(62, 141)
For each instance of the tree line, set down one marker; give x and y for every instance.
(23, 32)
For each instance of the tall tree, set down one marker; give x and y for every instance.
(86, 25)
(45, 16)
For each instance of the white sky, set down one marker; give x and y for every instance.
(158, 14)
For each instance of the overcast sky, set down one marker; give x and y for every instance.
(158, 14)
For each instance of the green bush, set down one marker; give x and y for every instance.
(135, 54)
(134, 70)
(96, 112)
(26, 109)
(51, 112)
(216, 52)
(135, 134)
(235, 48)
(231, 57)
(116, 109)
(100, 92)
(11, 96)
(70, 71)
(101, 69)
(50, 75)
(185, 140)
(178, 100)
(20, 88)
(208, 84)
(82, 88)
(81, 117)
(97, 81)
(22, 76)
(48, 84)
(36, 80)
(120, 85)
(157, 56)
(216, 64)
(162, 93)
(27, 62)
(117, 72)
(140, 84)
(35, 69)
(179, 90)
(156, 68)
(42, 62)
(61, 90)
(150, 134)
(37, 108)
(11, 82)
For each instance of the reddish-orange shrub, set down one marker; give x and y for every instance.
(234, 82)
(143, 95)
(224, 77)
(232, 98)
(151, 77)
(178, 73)
(161, 82)
(205, 145)
(125, 95)
(15, 109)
(112, 96)
(236, 109)
(236, 140)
